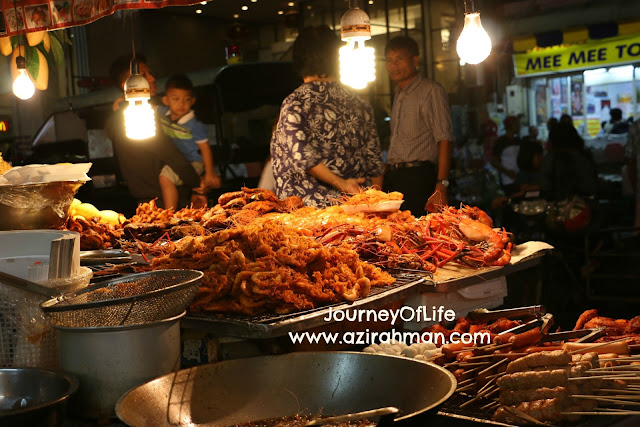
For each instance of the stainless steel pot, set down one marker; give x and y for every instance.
(108, 361)
(327, 383)
(34, 397)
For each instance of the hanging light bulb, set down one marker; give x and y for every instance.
(357, 61)
(23, 86)
(139, 117)
(474, 44)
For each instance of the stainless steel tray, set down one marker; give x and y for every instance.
(270, 325)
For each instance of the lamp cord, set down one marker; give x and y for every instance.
(133, 37)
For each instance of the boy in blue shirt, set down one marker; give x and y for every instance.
(190, 136)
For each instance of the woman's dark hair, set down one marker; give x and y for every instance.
(528, 150)
(403, 42)
(119, 69)
(565, 118)
(315, 52)
(552, 123)
(565, 137)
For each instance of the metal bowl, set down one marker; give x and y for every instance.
(30, 396)
(36, 206)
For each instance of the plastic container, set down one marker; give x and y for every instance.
(489, 294)
(26, 339)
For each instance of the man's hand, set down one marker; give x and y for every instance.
(210, 181)
(351, 185)
(437, 199)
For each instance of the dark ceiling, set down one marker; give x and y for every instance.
(257, 11)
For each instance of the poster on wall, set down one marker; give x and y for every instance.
(25, 16)
(577, 107)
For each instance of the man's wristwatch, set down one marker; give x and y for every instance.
(444, 182)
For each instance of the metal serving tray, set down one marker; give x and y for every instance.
(272, 325)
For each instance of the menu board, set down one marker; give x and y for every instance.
(24, 16)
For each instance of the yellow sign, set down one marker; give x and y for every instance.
(591, 54)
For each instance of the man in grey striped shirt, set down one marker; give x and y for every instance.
(419, 156)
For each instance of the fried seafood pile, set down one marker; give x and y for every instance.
(94, 234)
(271, 267)
(614, 328)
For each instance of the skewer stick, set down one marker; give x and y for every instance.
(470, 386)
(489, 405)
(610, 390)
(602, 344)
(513, 412)
(485, 388)
(495, 365)
(612, 376)
(624, 413)
(496, 375)
(606, 368)
(605, 399)
(481, 357)
(478, 396)
(490, 347)
(618, 372)
(465, 364)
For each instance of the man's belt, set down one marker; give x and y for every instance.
(404, 165)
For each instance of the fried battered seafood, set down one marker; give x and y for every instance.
(150, 212)
(271, 267)
(372, 196)
(94, 234)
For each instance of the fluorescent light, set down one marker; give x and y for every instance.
(198, 11)
(245, 7)
(291, 4)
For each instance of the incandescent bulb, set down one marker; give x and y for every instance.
(357, 63)
(474, 44)
(139, 119)
(23, 87)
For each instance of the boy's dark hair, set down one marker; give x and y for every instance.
(119, 69)
(179, 81)
(403, 42)
(315, 52)
(616, 114)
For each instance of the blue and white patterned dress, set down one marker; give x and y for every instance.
(323, 122)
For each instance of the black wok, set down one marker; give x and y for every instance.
(323, 383)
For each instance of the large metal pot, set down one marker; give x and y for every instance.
(327, 383)
(34, 397)
(108, 361)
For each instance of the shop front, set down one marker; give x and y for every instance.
(585, 80)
